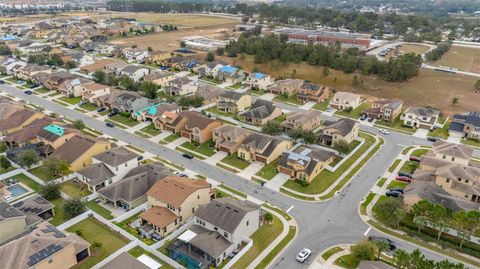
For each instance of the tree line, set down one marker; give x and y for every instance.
(148, 88)
(271, 47)
(437, 53)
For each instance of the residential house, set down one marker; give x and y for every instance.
(115, 67)
(36, 210)
(78, 150)
(57, 81)
(345, 100)
(304, 163)
(44, 247)
(28, 134)
(228, 138)
(160, 78)
(171, 202)
(12, 222)
(180, 86)
(262, 148)
(158, 56)
(154, 112)
(98, 65)
(91, 91)
(136, 55)
(466, 125)
(286, 86)
(385, 110)
(54, 135)
(209, 69)
(14, 117)
(134, 72)
(209, 93)
(341, 130)
(258, 81)
(107, 168)
(28, 71)
(309, 92)
(73, 87)
(233, 102)
(125, 260)
(230, 74)
(131, 191)
(420, 117)
(305, 121)
(220, 229)
(123, 101)
(260, 113)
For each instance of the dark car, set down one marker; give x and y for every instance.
(28, 92)
(139, 158)
(188, 156)
(432, 139)
(404, 174)
(101, 109)
(395, 194)
(110, 124)
(392, 244)
(33, 86)
(363, 117)
(182, 175)
(369, 119)
(113, 113)
(404, 179)
(2, 82)
(397, 190)
(414, 159)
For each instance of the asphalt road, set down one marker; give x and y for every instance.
(321, 225)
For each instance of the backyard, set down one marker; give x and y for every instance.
(100, 210)
(125, 226)
(139, 251)
(74, 189)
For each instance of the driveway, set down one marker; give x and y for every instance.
(176, 143)
(217, 157)
(455, 138)
(421, 133)
(277, 181)
(251, 170)
(308, 105)
(267, 96)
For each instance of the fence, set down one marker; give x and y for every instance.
(239, 254)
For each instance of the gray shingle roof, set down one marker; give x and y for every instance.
(96, 173)
(116, 156)
(260, 109)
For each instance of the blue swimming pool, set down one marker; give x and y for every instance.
(17, 190)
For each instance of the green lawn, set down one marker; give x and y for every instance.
(419, 152)
(42, 174)
(381, 182)
(440, 132)
(100, 210)
(327, 254)
(397, 184)
(397, 124)
(75, 189)
(71, 101)
(407, 166)
(261, 240)
(375, 210)
(277, 248)
(88, 107)
(322, 106)
(356, 113)
(278, 210)
(234, 191)
(235, 86)
(214, 110)
(42, 90)
(150, 129)
(206, 148)
(195, 155)
(394, 165)
(347, 261)
(59, 216)
(135, 148)
(3, 171)
(211, 80)
(256, 92)
(124, 225)
(27, 181)
(281, 118)
(366, 202)
(127, 121)
(93, 230)
(268, 171)
(172, 137)
(326, 178)
(292, 99)
(234, 161)
(54, 94)
(406, 150)
(139, 251)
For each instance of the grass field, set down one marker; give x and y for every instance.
(409, 48)
(347, 261)
(463, 58)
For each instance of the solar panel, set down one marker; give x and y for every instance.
(43, 254)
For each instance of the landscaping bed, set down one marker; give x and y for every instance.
(124, 225)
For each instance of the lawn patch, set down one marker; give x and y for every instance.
(397, 184)
(135, 148)
(150, 129)
(75, 189)
(235, 161)
(270, 256)
(394, 165)
(235, 86)
(214, 110)
(32, 184)
(100, 210)
(347, 261)
(291, 99)
(71, 101)
(440, 132)
(396, 124)
(206, 148)
(419, 152)
(59, 216)
(41, 174)
(278, 210)
(365, 203)
(128, 121)
(381, 182)
(355, 113)
(88, 107)
(232, 190)
(327, 254)
(172, 137)
(268, 171)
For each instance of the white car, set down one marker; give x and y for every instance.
(383, 131)
(303, 255)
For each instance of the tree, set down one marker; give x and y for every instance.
(74, 207)
(78, 124)
(295, 133)
(391, 210)
(355, 81)
(99, 76)
(326, 71)
(271, 128)
(97, 244)
(4, 50)
(309, 137)
(382, 246)
(364, 250)
(455, 100)
(55, 60)
(220, 51)
(440, 218)
(4, 163)
(70, 65)
(55, 167)
(149, 49)
(183, 44)
(421, 212)
(401, 258)
(477, 85)
(50, 191)
(149, 89)
(269, 217)
(27, 158)
(342, 146)
(210, 57)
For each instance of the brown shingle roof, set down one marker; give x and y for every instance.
(75, 147)
(174, 190)
(158, 216)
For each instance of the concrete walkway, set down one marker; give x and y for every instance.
(421, 133)
(174, 144)
(267, 96)
(277, 181)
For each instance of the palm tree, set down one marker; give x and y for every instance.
(460, 222)
(440, 218)
(401, 258)
(381, 247)
(421, 211)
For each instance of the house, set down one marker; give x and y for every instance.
(107, 168)
(304, 163)
(258, 81)
(98, 65)
(28, 134)
(44, 247)
(420, 117)
(171, 202)
(286, 86)
(180, 86)
(125, 260)
(158, 56)
(115, 67)
(172, 62)
(57, 81)
(230, 74)
(160, 78)
(91, 91)
(345, 100)
(155, 111)
(134, 72)
(123, 101)
(233, 102)
(466, 125)
(209, 69)
(220, 229)
(228, 138)
(28, 71)
(209, 93)
(136, 55)
(78, 150)
(36, 209)
(341, 130)
(14, 117)
(54, 135)
(386, 110)
(73, 87)
(12, 221)
(309, 92)
(260, 113)
(189, 124)
(262, 148)
(305, 121)
(131, 191)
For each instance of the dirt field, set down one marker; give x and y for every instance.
(463, 58)
(428, 88)
(24, 19)
(408, 48)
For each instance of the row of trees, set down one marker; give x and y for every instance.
(271, 47)
(148, 88)
(437, 53)
(53, 60)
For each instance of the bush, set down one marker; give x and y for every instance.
(74, 207)
(50, 191)
(4, 162)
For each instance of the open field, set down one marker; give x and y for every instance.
(428, 88)
(463, 58)
(408, 48)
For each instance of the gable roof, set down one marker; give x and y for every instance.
(451, 149)
(423, 111)
(96, 173)
(75, 147)
(124, 260)
(342, 126)
(32, 207)
(116, 156)
(175, 190)
(260, 109)
(194, 119)
(29, 132)
(260, 141)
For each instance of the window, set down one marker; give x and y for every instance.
(225, 234)
(453, 159)
(247, 222)
(198, 197)
(448, 180)
(193, 209)
(466, 180)
(459, 180)
(50, 260)
(215, 228)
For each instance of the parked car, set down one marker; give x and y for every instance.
(392, 244)
(432, 139)
(369, 119)
(139, 158)
(188, 156)
(29, 92)
(397, 189)
(2, 82)
(110, 124)
(363, 117)
(404, 179)
(101, 109)
(33, 86)
(113, 113)
(82, 103)
(182, 175)
(383, 131)
(303, 255)
(395, 194)
(414, 159)
(405, 174)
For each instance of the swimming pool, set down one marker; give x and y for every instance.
(17, 190)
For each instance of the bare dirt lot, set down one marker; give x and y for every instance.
(428, 88)
(463, 58)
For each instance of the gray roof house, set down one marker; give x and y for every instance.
(467, 125)
(124, 260)
(260, 112)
